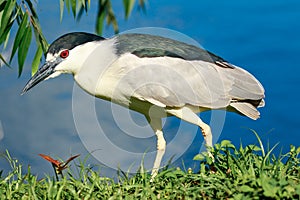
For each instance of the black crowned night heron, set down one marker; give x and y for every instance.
(155, 76)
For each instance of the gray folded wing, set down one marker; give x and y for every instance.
(169, 73)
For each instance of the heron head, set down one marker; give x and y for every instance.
(63, 56)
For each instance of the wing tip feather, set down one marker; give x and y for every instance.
(246, 109)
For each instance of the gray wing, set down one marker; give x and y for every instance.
(169, 73)
(144, 45)
(175, 82)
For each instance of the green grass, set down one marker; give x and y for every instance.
(249, 172)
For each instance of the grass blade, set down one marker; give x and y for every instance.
(268, 156)
(260, 143)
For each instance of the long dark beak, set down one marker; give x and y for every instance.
(45, 71)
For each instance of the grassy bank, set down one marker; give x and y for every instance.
(249, 172)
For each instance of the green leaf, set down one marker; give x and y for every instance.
(84, 6)
(246, 188)
(3, 60)
(31, 7)
(61, 9)
(225, 143)
(40, 38)
(100, 16)
(80, 12)
(111, 18)
(36, 60)
(199, 157)
(67, 5)
(73, 4)
(128, 6)
(6, 40)
(269, 189)
(23, 49)
(3, 35)
(7, 14)
(171, 175)
(142, 5)
(298, 150)
(19, 35)
(87, 4)
(238, 196)
(254, 147)
(2, 5)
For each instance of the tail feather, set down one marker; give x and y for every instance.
(261, 104)
(246, 109)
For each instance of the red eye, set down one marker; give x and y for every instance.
(64, 53)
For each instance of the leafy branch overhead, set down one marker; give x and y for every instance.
(22, 15)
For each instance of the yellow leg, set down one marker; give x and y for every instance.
(156, 125)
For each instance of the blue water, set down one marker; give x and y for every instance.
(261, 37)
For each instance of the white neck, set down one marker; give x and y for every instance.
(97, 59)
